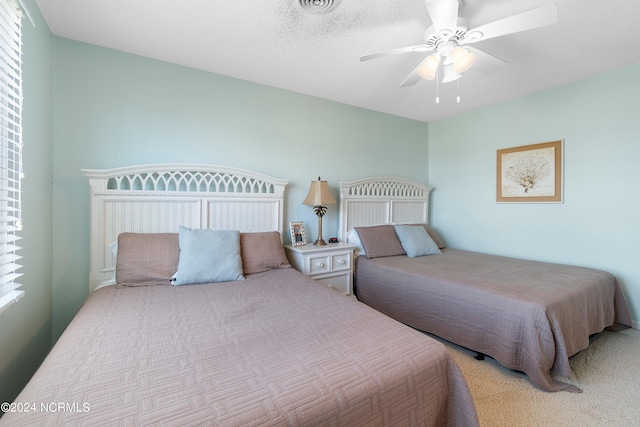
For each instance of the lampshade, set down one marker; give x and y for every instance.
(427, 70)
(319, 194)
(462, 59)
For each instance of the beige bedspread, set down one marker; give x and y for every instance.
(274, 349)
(530, 316)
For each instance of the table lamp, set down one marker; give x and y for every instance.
(319, 196)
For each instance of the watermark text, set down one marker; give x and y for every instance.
(44, 407)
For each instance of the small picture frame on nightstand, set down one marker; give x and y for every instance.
(298, 235)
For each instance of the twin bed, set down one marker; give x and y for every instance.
(271, 347)
(529, 316)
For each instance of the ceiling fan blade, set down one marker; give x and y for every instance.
(443, 14)
(416, 48)
(535, 18)
(485, 63)
(413, 77)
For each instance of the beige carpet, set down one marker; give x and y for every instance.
(608, 373)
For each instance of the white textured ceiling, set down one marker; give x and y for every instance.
(276, 43)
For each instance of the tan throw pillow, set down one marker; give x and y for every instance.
(146, 258)
(380, 241)
(262, 251)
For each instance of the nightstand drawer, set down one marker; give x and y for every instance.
(337, 283)
(319, 264)
(341, 262)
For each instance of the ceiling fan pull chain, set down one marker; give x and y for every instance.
(437, 89)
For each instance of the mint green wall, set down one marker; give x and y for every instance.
(596, 226)
(25, 329)
(113, 109)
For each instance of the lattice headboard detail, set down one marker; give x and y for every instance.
(382, 200)
(192, 181)
(158, 198)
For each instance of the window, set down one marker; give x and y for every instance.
(10, 149)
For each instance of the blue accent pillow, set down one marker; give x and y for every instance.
(416, 241)
(208, 256)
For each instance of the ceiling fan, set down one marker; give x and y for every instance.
(447, 38)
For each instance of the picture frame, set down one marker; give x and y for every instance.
(530, 173)
(298, 234)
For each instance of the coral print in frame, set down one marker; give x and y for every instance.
(530, 173)
(298, 235)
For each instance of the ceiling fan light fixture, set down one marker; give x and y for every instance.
(462, 59)
(427, 70)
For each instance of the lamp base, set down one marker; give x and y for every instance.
(320, 210)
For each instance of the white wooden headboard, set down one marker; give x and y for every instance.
(159, 197)
(382, 200)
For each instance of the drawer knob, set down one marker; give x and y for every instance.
(343, 262)
(331, 287)
(321, 264)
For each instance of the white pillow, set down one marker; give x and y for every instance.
(113, 248)
(208, 256)
(416, 241)
(354, 239)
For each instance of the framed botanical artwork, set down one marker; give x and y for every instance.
(298, 235)
(530, 173)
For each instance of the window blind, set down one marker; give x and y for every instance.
(10, 150)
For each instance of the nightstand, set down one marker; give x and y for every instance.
(331, 264)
